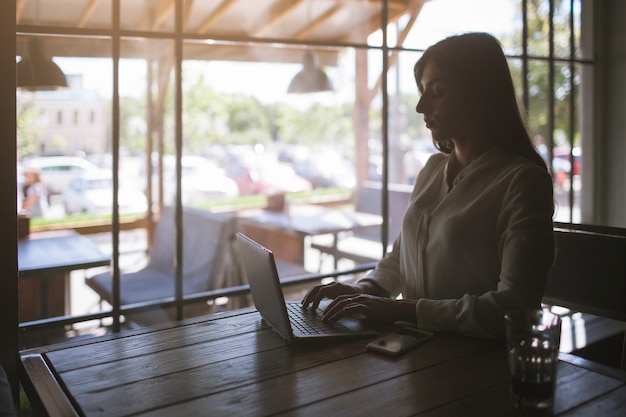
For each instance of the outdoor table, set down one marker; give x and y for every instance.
(45, 260)
(284, 231)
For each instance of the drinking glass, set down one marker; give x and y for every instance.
(533, 338)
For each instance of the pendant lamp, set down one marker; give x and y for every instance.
(311, 79)
(36, 71)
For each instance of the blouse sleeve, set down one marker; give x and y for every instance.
(525, 238)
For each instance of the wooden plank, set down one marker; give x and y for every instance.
(611, 404)
(578, 385)
(48, 390)
(105, 350)
(273, 372)
(182, 376)
(417, 391)
(307, 390)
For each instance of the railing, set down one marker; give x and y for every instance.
(230, 292)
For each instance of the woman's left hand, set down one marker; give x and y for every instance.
(379, 309)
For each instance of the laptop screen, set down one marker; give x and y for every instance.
(260, 269)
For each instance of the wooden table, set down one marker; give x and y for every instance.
(232, 364)
(45, 260)
(284, 232)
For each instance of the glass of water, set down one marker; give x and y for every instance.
(533, 338)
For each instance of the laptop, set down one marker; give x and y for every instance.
(288, 318)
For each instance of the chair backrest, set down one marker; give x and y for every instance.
(369, 200)
(589, 272)
(207, 254)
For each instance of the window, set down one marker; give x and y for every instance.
(168, 87)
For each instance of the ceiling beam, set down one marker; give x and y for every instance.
(304, 33)
(278, 16)
(19, 9)
(214, 17)
(187, 10)
(162, 12)
(87, 13)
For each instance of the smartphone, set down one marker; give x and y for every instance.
(399, 341)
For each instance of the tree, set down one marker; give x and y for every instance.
(538, 76)
(27, 130)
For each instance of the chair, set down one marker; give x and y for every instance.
(363, 245)
(208, 264)
(589, 276)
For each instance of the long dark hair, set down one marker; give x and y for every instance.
(476, 61)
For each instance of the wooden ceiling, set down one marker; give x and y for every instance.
(215, 28)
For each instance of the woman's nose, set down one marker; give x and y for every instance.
(419, 108)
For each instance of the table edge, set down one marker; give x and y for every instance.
(599, 368)
(40, 350)
(42, 381)
(36, 271)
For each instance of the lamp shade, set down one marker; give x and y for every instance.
(36, 71)
(311, 79)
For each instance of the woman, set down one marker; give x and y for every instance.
(35, 201)
(476, 238)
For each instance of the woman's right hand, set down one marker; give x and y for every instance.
(316, 294)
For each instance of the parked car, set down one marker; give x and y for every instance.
(326, 170)
(280, 177)
(247, 178)
(57, 171)
(267, 177)
(561, 165)
(92, 192)
(202, 181)
(563, 154)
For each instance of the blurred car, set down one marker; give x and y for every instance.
(561, 165)
(202, 181)
(280, 177)
(57, 171)
(560, 170)
(267, 177)
(326, 169)
(92, 192)
(247, 178)
(564, 154)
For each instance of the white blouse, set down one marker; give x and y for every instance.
(471, 254)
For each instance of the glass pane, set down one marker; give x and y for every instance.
(441, 18)
(414, 142)
(147, 119)
(240, 120)
(562, 30)
(64, 136)
(567, 145)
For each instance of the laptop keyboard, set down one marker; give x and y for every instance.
(309, 321)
